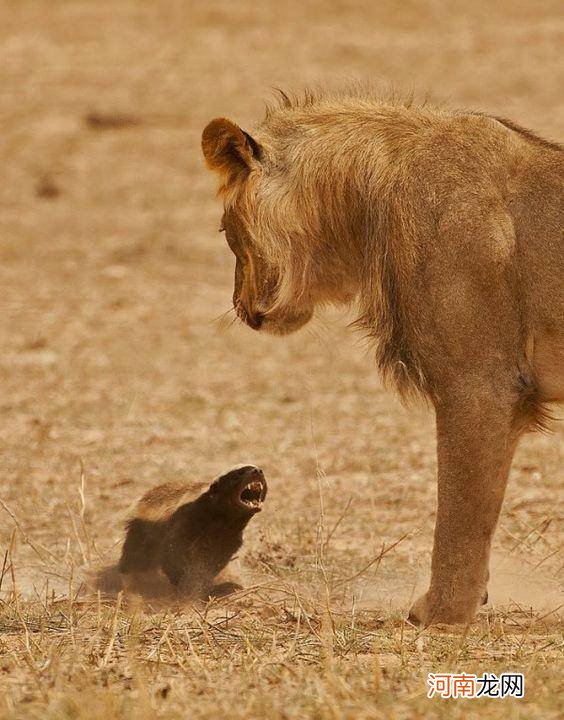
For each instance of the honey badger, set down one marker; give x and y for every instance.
(183, 535)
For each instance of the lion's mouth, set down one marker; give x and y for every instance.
(253, 319)
(252, 495)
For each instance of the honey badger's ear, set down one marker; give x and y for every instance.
(228, 149)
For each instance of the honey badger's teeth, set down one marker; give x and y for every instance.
(251, 495)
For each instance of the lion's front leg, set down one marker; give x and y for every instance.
(476, 438)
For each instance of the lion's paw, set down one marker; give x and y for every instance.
(424, 612)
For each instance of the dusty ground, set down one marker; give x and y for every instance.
(112, 273)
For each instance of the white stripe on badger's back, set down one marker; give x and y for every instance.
(160, 502)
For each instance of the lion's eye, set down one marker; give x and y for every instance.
(221, 228)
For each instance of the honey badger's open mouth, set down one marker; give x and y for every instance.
(252, 495)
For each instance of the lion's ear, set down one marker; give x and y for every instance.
(228, 149)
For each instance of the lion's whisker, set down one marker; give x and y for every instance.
(225, 320)
(224, 314)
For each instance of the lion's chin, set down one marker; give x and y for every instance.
(275, 324)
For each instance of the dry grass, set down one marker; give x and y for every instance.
(114, 376)
(301, 643)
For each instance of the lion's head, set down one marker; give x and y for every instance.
(275, 233)
(257, 282)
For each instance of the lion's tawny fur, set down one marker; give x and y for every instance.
(444, 228)
(349, 189)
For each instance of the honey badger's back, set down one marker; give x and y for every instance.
(160, 502)
(143, 524)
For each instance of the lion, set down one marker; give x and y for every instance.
(443, 228)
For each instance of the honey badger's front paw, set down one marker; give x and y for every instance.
(431, 611)
(223, 589)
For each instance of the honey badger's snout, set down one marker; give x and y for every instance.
(252, 488)
(247, 485)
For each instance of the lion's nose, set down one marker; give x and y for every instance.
(255, 320)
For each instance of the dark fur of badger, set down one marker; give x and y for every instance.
(181, 537)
